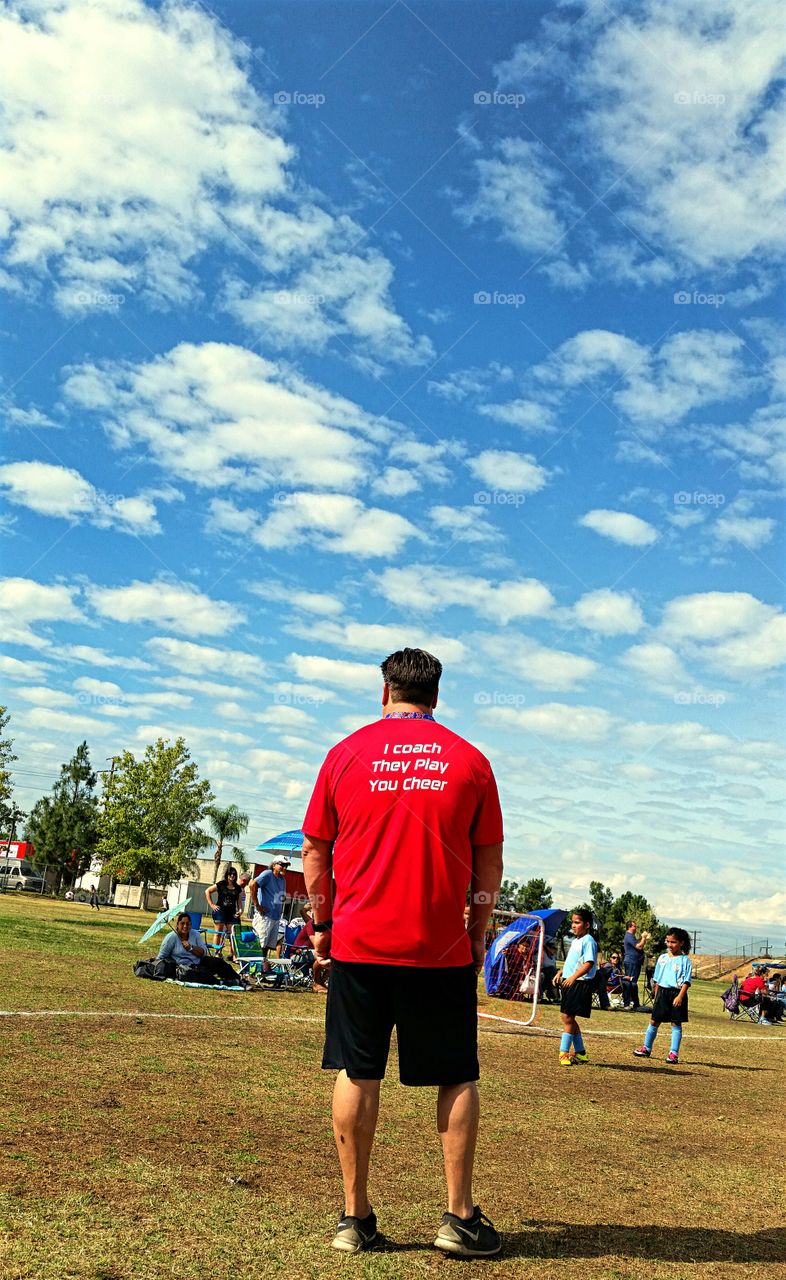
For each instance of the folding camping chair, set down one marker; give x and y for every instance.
(272, 972)
(734, 1006)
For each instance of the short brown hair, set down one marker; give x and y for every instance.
(412, 675)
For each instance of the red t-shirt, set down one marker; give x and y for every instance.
(752, 984)
(404, 801)
(305, 938)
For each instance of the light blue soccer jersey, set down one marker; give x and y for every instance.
(581, 950)
(672, 971)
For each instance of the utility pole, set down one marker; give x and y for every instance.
(696, 936)
(109, 775)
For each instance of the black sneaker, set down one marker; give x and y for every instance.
(473, 1237)
(354, 1234)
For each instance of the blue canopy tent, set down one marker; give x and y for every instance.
(494, 967)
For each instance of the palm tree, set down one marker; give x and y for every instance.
(225, 824)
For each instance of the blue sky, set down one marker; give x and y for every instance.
(333, 328)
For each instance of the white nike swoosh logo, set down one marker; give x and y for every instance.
(473, 1235)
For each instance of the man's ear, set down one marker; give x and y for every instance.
(385, 696)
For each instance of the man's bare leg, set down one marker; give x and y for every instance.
(355, 1111)
(458, 1112)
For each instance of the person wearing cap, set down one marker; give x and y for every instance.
(268, 893)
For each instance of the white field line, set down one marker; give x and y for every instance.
(250, 1017)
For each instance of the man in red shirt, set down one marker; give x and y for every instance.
(403, 819)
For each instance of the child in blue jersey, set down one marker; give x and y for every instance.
(575, 986)
(671, 982)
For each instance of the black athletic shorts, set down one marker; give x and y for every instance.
(577, 999)
(663, 1009)
(434, 1011)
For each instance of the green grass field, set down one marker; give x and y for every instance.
(197, 1143)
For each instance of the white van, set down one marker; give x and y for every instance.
(16, 873)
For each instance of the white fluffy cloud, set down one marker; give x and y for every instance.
(505, 470)
(171, 605)
(220, 415)
(620, 526)
(554, 720)
(134, 141)
(381, 639)
(24, 601)
(609, 613)
(732, 630)
(464, 524)
(659, 665)
(429, 588)
(680, 110)
(357, 676)
(746, 531)
(60, 491)
(656, 386)
(329, 521)
(526, 414)
(538, 665)
(199, 659)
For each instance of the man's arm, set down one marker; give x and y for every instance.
(483, 889)
(318, 875)
(252, 888)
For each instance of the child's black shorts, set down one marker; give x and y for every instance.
(663, 1009)
(577, 1000)
(434, 1011)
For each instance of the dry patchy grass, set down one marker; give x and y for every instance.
(137, 1147)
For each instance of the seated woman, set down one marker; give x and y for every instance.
(186, 948)
(616, 975)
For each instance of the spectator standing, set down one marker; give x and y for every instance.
(94, 898)
(633, 959)
(405, 816)
(224, 899)
(268, 894)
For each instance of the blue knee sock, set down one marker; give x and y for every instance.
(649, 1036)
(566, 1042)
(676, 1039)
(578, 1043)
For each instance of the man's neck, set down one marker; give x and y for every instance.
(391, 707)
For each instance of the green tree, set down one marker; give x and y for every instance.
(150, 826)
(632, 906)
(535, 895)
(506, 898)
(602, 901)
(63, 827)
(225, 824)
(9, 814)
